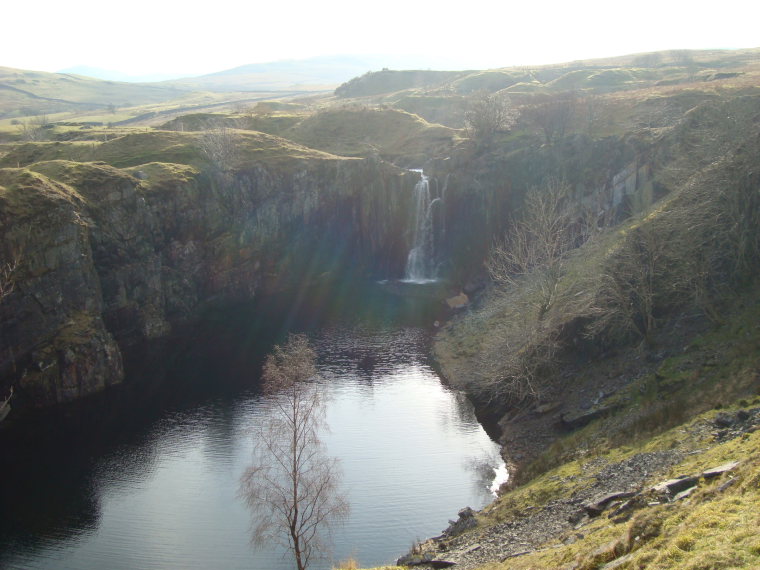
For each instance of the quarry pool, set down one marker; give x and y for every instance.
(148, 477)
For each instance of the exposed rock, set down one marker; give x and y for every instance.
(724, 420)
(684, 494)
(439, 563)
(474, 285)
(547, 407)
(458, 301)
(412, 559)
(597, 507)
(516, 554)
(720, 470)
(735, 424)
(127, 259)
(466, 521)
(577, 420)
(672, 487)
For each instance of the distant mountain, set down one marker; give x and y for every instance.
(324, 72)
(112, 75)
(309, 74)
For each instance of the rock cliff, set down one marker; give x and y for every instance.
(105, 257)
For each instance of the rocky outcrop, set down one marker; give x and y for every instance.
(110, 257)
(611, 177)
(54, 341)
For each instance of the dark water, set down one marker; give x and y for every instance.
(147, 476)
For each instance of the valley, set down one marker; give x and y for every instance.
(596, 220)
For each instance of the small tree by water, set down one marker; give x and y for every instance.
(293, 487)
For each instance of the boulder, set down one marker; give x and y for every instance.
(720, 470)
(674, 486)
(412, 559)
(597, 507)
(423, 559)
(546, 407)
(458, 301)
(576, 420)
(684, 494)
(724, 420)
(465, 522)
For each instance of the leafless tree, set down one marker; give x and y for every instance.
(486, 115)
(7, 277)
(13, 250)
(219, 145)
(551, 225)
(652, 59)
(539, 299)
(631, 289)
(34, 128)
(553, 113)
(292, 486)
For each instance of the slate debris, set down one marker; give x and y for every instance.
(616, 492)
(597, 507)
(734, 424)
(534, 527)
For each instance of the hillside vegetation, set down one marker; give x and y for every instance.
(618, 354)
(613, 347)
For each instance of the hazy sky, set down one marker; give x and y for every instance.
(184, 38)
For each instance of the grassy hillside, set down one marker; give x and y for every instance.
(25, 93)
(396, 136)
(618, 357)
(690, 405)
(600, 75)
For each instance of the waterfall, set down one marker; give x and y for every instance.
(421, 262)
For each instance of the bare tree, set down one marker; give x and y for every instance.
(486, 115)
(551, 225)
(12, 253)
(292, 486)
(219, 145)
(34, 128)
(553, 114)
(539, 298)
(631, 289)
(7, 277)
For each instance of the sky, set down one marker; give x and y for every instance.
(166, 37)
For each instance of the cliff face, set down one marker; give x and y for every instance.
(107, 257)
(612, 178)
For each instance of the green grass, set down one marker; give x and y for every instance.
(24, 193)
(364, 131)
(136, 148)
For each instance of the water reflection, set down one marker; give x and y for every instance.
(153, 483)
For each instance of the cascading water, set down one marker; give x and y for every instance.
(421, 262)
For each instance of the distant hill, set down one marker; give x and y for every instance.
(598, 75)
(29, 93)
(318, 73)
(24, 93)
(113, 75)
